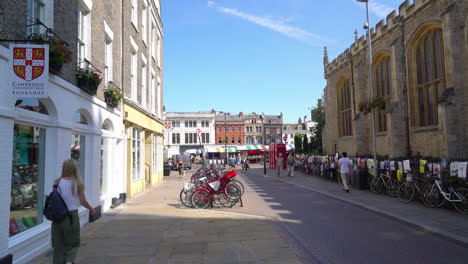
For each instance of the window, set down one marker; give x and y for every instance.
(259, 129)
(159, 98)
(219, 129)
(382, 88)
(291, 136)
(207, 138)
(107, 60)
(104, 179)
(259, 140)
(427, 77)
(344, 102)
(233, 140)
(36, 10)
(176, 123)
(175, 138)
(152, 94)
(186, 123)
(153, 44)
(299, 127)
(186, 138)
(249, 140)
(278, 140)
(219, 140)
(233, 129)
(133, 75)
(143, 81)
(239, 141)
(78, 150)
(194, 123)
(268, 130)
(134, 14)
(239, 129)
(83, 28)
(159, 50)
(27, 178)
(136, 154)
(268, 141)
(155, 154)
(144, 22)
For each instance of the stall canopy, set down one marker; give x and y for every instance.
(221, 150)
(196, 151)
(253, 147)
(289, 147)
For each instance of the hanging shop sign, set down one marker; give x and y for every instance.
(29, 70)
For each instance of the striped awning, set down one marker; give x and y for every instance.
(253, 147)
(196, 151)
(289, 147)
(221, 149)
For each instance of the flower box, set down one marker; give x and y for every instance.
(112, 95)
(88, 80)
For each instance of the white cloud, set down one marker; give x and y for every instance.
(376, 8)
(278, 25)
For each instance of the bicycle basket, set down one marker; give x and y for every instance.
(188, 185)
(215, 185)
(231, 174)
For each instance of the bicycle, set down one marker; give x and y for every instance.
(383, 180)
(438, 194)
(408, 190)
(222, 190)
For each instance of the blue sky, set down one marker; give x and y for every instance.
(256, 55)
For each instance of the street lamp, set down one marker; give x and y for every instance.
(367, 26)
(225, 141)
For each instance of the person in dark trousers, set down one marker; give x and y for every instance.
(66, 233)
(180, 167)
(345, 167)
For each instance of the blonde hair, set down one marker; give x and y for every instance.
(71, 168)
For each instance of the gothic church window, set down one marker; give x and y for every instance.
(344, 106)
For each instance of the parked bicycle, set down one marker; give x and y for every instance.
(439, 193)
(384, 180)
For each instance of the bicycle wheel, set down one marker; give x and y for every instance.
(406, 192)
(183, 198)
(232, 191)
(376, 185)
(201, 198)
(240, 185)
(462, 206)
(393, 185)
(425, 189)
(433, 197)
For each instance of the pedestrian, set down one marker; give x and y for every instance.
(66, 233)
(180, 167)
(170, 163)
(345, 166)
(247, 164)
(279, 164)
(291, 163)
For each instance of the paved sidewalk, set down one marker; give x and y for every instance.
(154, 227)
(445, 222)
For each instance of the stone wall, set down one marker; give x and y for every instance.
(394, 38)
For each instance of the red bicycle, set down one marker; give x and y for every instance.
(223, 190)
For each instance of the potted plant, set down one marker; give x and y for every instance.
(379, 103)
(88, 80)
(59, 53)
(112, 95)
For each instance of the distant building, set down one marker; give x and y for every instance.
(180, 133)
(290, 129)
(273, 127)
(229, 129)
(253, 124)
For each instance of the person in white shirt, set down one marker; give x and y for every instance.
(345, 166)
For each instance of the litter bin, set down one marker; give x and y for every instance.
(363, 174)
(167, 170)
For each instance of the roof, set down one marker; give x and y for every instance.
(228, 117)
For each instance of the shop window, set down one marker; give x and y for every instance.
(32, 104)
(155, 154)
(136, 154)
(27, 179)
(78, 151)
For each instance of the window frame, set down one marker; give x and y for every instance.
(344, 108)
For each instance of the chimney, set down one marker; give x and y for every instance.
(212, 110)
(300, 121)
(241, 114)
(305, 119)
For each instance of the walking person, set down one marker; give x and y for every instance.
(180, 167)
(291, 163)
(279, 164)
(345, 167)
(66, 233)
(170, 163)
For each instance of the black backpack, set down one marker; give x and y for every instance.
(55, 208)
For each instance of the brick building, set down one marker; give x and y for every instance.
(419, 57)
(229, 127)
(273, 128)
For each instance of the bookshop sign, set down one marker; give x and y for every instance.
(29, 70)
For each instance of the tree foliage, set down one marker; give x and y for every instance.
(305, 145)
(318, 116)
(298, 143)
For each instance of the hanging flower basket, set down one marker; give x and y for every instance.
(59, 53)
(88, 80)
(379, 103)
(112, 95)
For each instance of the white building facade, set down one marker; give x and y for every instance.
(180, 133)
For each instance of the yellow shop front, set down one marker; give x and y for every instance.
(144, 157)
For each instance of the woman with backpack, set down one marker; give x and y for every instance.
(66, 233)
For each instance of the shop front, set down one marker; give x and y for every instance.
(144, 145)
(37, 136)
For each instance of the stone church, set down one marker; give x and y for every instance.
(420, 66)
